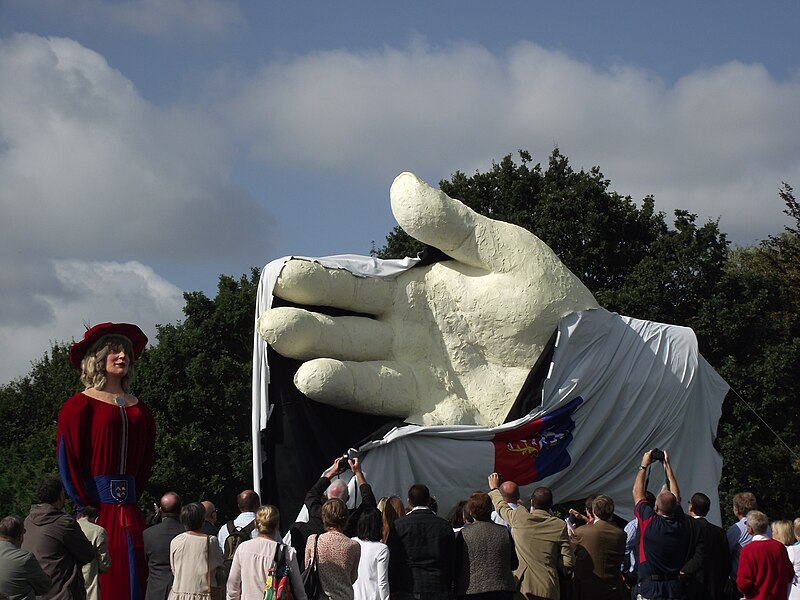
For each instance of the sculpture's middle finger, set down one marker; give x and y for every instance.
(304, 335)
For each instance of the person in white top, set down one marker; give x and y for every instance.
(373, 567)
(247, 502)
(794, 556)
(786, 533)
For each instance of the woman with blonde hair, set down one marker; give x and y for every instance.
(393, 509)
(786, 533)
(254, 558)
(336, 555)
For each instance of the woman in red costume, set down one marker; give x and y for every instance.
(106, 440)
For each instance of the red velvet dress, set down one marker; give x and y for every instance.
(105, 453)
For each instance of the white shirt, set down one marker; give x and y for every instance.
(794, 587)
(499, 520)
(242, 520)
(373, 572)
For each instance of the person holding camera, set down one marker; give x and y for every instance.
(327, 487)
(664, 534)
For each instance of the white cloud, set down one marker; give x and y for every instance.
(75, 293)
(90, 170)
(718, 142)
(151, 17)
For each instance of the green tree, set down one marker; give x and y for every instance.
(750, 331)
(197, 381)
(28, 416)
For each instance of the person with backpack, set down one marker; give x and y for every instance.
(240, 529)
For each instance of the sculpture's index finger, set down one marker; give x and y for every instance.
(308, 282)
(431, 216)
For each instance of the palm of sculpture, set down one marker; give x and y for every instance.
(451, 343)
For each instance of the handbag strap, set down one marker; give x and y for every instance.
(280, 555)
(276, 559)
(314, 559)
(208, 560)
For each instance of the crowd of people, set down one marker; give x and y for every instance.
(492, 547)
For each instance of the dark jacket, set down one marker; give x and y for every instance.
(60, 547)
(156, 551)
(485, 559)
(421, 553)
(708, 564)
(313, 502)
(21, 577)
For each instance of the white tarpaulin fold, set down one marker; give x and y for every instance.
(642, 385)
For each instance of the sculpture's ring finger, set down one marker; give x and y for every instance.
(374, 387)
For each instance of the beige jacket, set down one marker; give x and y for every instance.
(542, 547)
(102, 561)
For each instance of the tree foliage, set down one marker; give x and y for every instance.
(751, 333)
(28, 416)
(197, 382)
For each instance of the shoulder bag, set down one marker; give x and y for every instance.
(311, 576)
(278, 585)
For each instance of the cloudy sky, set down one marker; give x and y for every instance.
(148, 146)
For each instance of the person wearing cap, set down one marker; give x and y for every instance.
(106, 446)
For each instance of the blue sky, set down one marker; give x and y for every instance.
(147, 146)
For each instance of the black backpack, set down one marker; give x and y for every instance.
(236, 535)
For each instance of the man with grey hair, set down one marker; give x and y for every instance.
(765, 570)
(663, 537)
(326, 489)
(21, 576)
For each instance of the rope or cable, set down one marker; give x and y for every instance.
(772, 431)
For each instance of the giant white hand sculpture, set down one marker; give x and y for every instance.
(451, 343)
